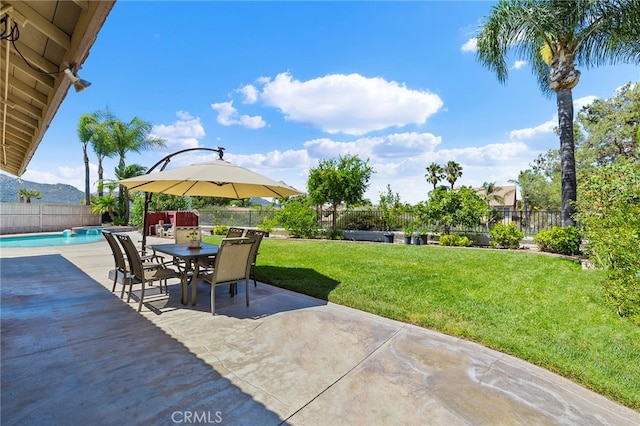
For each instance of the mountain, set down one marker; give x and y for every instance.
(51, 193)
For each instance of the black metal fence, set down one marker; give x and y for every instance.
(530, 222)
(243, 217)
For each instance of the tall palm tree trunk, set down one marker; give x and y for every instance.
(567, 157)
(87, 186)
(100, 178)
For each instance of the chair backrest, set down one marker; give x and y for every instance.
(234, 232)
(256, 235)
(135, 263)
(233, 260)
(184, 234)
(118, 256)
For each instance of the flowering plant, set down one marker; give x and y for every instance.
(194, 235)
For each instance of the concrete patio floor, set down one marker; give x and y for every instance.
(74, 353)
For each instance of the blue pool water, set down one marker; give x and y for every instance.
(44, 240)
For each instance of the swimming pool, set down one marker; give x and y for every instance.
(44, 240)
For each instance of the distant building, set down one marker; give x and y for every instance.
(506, 193)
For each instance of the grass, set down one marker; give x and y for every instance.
(542, 309)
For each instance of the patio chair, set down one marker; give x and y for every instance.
(232, 264)
(141, 275)
(256, 235)
(206, 264)
(234, 232)
(121, 266)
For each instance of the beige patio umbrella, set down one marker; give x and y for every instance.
(215, 179)
(218, 178)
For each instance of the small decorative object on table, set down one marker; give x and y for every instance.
(194, 239)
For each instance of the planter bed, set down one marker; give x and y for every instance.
(373, 236)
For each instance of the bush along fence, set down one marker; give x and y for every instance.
(529, 223)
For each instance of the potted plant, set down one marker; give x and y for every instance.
(408, 231)
(424, 236)
(194, 239)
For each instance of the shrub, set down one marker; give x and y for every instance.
(454, 240)
(506, 236)
(298, 218)
(609, 213)
(559, 240)
(220, 230)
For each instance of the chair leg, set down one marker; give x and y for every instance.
(141, 297)
(115, 280)
(130, 288)
(253, 273)
(124, 284)
(213, 299)
(246, 289)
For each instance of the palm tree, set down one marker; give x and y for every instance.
(85, 134)
(101, 143)
(489, 193)
(132, 170)
(105, 204)
(130, 137)
(452, 172)
(555, 36)
(434, 174)
(28, 194)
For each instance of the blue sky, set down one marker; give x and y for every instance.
(283, 85)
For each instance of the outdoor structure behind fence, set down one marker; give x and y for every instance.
(16, 218)
(530, 222)
(236, 216)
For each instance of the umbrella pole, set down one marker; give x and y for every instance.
(147, 195)
(145, 221)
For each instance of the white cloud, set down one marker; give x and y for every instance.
(546, 128)
(531, 132)
(250, 94)
(349, 104)
(582, 102)
(228, 116)
(497, 162)
(519, 64)
(183, 133)
(471, 46)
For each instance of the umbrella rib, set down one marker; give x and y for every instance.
(189, 188)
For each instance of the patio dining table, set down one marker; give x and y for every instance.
(190, 256)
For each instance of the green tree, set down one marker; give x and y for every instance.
(200, 203)
(434, 174)
(28, 194)
(609, 213)
(554, 37)
(452, 172)
(391, 206)
(107, 203)
(101, 142)
(339, 181)
(133, 136)
(537, 191)
(131, 170)
(449, 208)
(610, 127)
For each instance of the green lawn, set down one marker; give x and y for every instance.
(539, 308)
